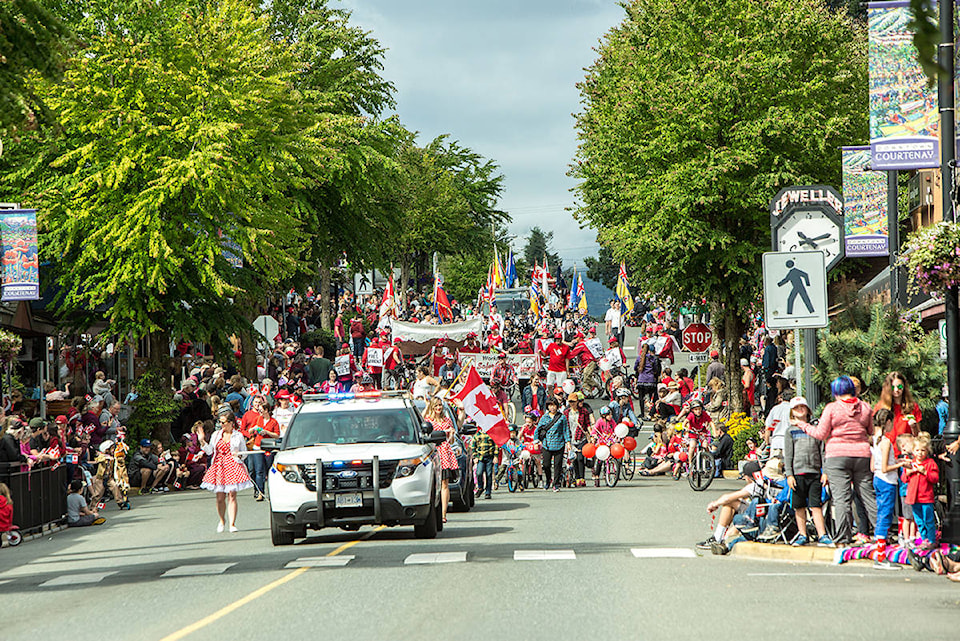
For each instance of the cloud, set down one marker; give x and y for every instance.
(499, 76)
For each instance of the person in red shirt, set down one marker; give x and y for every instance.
(345, 366)
(557, 354)
(686, 383)
(697, 425)
(494, 340)
(584, 357)
(524, 345)
(376, 371)
(922, 476)
(471, 345)
(896, 397)
(392, 356)
(437, 356)
(256, 425)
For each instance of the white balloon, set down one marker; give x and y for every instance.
(525, 454)
(603, 452)
(569, 386)
(621, 430)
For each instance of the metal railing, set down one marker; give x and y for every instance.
(39, 496)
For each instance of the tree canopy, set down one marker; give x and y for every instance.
(538, 245)
(694, 116)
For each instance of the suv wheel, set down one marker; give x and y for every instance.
(278, 536)
(428, 530)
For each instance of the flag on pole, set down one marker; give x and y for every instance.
(561, 283)
(623, 289)
(441, 304)
(488, 294)
(573, 298)
(388, 306)
(534, 299)
(499, 279)
(581, 295)
(480, 405)
(512, 280)
(544, 275)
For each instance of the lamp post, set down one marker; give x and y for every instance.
(951, 525)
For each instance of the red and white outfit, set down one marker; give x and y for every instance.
(226, 473)
(448, 460)
(527, 437)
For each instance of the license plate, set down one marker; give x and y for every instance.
(354, 499)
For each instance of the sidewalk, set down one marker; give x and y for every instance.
(787, 553)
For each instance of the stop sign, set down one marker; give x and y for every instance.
(696, 337)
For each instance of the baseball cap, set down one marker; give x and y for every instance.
(106, 445)
(714, 353)
(36, 423)
(613, 339)
(144, 442)
(61, 419)
(797, 401)
(283, 394)
(750, 468)
(744, 362)
(558, 335)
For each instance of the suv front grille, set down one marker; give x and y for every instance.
(348, 477)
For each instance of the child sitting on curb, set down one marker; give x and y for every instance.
(78, 514)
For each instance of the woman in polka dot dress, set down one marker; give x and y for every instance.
(435, 413)
(226, 475)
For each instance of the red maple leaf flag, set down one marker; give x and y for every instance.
(481, 406)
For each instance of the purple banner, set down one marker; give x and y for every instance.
(21, 255)
(904, 118)
(864, 205)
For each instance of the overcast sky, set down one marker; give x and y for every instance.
(499, 76)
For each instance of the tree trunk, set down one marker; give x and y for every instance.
(325, 285)
(248, 355)
(733, 328)
(160, 361)
(404, 279)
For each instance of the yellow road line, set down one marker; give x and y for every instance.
(256, 594)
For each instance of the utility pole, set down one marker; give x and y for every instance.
(951, 525)
(893, 231)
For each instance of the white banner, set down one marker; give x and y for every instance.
(422, 332)
(525, 365)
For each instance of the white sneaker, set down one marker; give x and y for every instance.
(234, 528)
(219, 528)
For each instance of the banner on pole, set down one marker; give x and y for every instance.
(21, 255)
(904, 118)
(864, 205)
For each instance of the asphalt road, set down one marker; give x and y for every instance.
(141, 576)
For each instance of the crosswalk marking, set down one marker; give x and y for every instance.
(544, 555)
(76, 579)
(663, 553)
(438, 557)
(198, 570)
(320, 562)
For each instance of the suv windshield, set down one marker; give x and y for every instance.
(368, 426)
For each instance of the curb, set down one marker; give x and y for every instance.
(789, 554)
(47, 530)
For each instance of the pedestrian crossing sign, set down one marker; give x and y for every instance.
(795, 290)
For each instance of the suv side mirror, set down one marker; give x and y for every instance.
(270, 444)
(469, 429)
(436, 437)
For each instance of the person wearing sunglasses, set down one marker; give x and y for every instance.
(896, 397)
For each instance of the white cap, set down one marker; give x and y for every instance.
(797, 401)
(106, 445)
(744, 362)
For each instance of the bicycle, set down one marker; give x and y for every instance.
(397, 379)
(699, 469)
(628, 465)
(514, 476)
(528, 473)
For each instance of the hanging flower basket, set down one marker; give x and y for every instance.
(932, 257)
(10, 345)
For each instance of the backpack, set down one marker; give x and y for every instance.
(657, 368)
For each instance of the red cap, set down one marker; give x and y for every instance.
(397, 340)
(62, 420)
(283, 394)
(558, 335)
(714, 353)
(613, 339)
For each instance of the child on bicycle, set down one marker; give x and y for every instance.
(602, 434)
(511, 454)
(528, 438)
(696, 427)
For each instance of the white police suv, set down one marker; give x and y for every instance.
(348, 460)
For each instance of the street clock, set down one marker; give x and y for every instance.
(809, 219)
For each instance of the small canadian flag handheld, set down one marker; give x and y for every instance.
(101, 505)
(480, 405)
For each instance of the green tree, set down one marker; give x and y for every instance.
(603, 268)
(32, 41)
(694, 118)
(538, 245)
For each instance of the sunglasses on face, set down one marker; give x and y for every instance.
(899, 386)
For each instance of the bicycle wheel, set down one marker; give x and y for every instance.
(511, 412)
(512, 479)
(611, 472)
(525, 477)
(14, 538)
(628, 467)
(701, 471)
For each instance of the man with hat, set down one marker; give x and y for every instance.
(737, 510)
(450, 369)
(471, 345)
(494, 340)
(373, 356)
(146, 468)
(557, 354)
(585, 358)
(715, 369)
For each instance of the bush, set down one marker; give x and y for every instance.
(321, 338)
(740, 427)
(890, 343)
(154, 408)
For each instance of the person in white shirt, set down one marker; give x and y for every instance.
(284, 411)
(496, 319)
(613, 319)
(778, 423)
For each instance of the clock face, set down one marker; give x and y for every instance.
(809, 230)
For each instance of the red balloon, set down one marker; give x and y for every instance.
(589, 450)
(683, 457)
(627, 422)
(617, 451)
(630, 443)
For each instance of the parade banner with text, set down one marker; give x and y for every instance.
(21, 255)
(903, 109)
(864, 204)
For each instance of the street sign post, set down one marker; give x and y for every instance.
(942, 330)
(795, 290)
(696, 337)
(268, 328)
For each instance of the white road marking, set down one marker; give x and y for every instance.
(198, 570)
(320, 562)
(438, 557)
(76, 579)
(663, 553)
(816, 574)
(544, 555)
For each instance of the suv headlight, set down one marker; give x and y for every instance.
(290, 473)
(408, 466)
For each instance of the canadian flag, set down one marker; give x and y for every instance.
(481, 406)
(388, 306)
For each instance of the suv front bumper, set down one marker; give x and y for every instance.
(391, 513)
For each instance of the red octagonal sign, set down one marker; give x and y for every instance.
(696, 337)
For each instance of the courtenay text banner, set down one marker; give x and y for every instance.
(21, 255)
(903, 110)
(864, 204)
